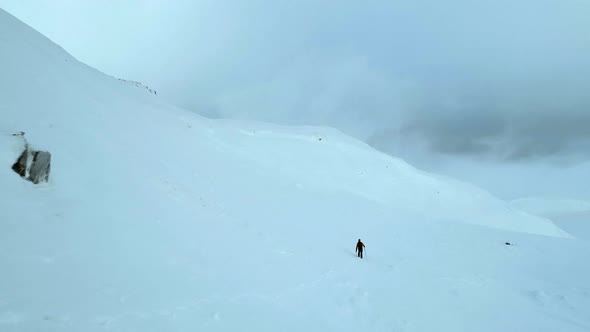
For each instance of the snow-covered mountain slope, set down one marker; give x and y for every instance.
(572, 215)
(57, 100)
(550, 206)
(576, 223)
(156, 219)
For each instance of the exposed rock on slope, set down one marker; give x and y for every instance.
(32, 165)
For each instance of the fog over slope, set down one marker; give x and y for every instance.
(457, 87)
(500, 80)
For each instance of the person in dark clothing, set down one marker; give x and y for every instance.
(359, 248)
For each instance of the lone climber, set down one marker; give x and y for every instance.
(359, 248)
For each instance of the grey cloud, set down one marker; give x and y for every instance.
(503, 80)
(495, 133)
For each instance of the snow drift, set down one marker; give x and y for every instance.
(156, 219)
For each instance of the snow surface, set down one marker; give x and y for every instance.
(572, 215)
(550, 206)
(156, 219)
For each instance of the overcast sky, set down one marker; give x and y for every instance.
(490, 80)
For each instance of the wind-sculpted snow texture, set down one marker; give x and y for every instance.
(156, 219)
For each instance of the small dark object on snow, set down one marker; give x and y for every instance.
(360, 248)
(508, 243)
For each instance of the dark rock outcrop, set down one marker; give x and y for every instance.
(40, 167)
(33, 165)
(20, 166)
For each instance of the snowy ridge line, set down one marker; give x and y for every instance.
(372, 175)
(550, 206)
(139, 85)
